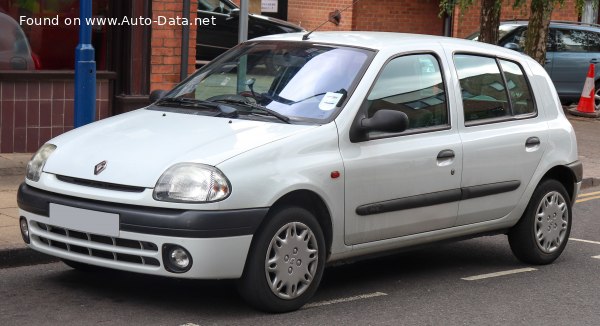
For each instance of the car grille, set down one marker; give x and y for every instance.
(99, 184)
(99, 246)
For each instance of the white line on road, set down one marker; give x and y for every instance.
(348, 299)
(586, 241)
(512, 271)
(597, 257)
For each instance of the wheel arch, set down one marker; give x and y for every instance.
(310, 201)
(565, 176)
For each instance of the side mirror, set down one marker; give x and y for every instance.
(157, 94)
(235, 13)
(513, 46)
(383, 120)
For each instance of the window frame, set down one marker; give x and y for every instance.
(506, 118)
(362, 112)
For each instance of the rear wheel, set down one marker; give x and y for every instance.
(286, 262)
(543, 231)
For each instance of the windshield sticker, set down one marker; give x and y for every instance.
(225, 81)
(330, 101)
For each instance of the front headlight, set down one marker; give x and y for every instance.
(192, 182)
(35, 166)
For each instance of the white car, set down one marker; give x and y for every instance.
(342, 145)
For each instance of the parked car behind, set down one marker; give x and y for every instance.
(351, 144)
(211, 41)
(571, 48)
(15, 53)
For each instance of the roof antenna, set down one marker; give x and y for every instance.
(334, 17)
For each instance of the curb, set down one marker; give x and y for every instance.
(15, 257)
(590, 182)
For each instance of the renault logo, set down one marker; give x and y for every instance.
(99, 167)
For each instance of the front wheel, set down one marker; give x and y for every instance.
(285, 263)
(543, 231)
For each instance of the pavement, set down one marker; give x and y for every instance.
(13, 251)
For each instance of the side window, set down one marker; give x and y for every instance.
(571, 40)
(483, 92)
(412, 84)
(520, 35)
(518, 88)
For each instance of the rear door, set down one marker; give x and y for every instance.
(502, 133)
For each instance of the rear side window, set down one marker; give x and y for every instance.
(412, 84)
(571, 40)
(492, 88)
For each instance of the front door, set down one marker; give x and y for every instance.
(404, 183)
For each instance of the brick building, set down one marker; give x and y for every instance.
(36, 103)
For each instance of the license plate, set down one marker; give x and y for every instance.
(84, 220)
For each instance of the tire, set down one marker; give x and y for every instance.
(82, 267)
(543, 231)
(285, 263)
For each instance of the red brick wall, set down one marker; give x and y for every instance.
(310, 14)
(406, 16)
(468, 22)
(165, 61)
(33, 111)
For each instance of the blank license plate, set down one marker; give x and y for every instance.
(84, 220)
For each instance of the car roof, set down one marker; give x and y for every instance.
(381, 40)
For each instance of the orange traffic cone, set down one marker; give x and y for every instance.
(586, 102)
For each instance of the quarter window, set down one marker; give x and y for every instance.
(412, 84)
(570, 40)
(518, 88)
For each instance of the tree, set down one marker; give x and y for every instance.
(540, 12)
(489, 16)
(537, 30)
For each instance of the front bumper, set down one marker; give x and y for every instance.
(218, 241)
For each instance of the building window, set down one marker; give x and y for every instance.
(51, 33)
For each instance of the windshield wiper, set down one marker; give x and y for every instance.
(225, 110)
(257, 107)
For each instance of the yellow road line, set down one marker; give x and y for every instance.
(587, 198)
(587, 194)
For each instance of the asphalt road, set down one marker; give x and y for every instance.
(423, 287)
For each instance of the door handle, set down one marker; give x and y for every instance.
(595, 60)
(532, 142)
(446, 154)
(548, 61)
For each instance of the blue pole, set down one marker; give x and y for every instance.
(85, 69)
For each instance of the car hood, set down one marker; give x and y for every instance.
(139, 146)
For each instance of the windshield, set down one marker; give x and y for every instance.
(302, 81)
